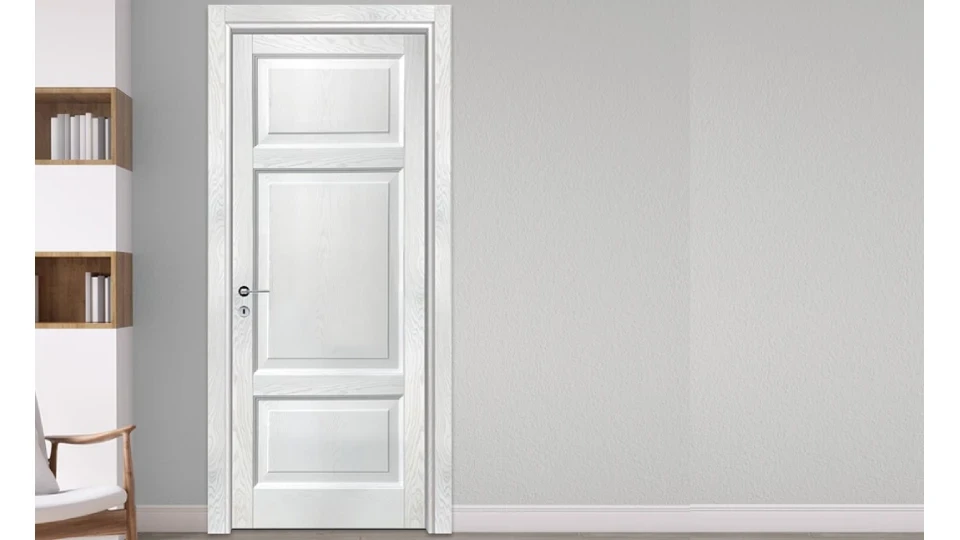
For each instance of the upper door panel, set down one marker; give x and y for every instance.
(308, 96)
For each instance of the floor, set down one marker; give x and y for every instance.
(419, 535)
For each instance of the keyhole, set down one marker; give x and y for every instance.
(244, 311)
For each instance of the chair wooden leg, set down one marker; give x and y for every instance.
(131, 524)
(131, 504)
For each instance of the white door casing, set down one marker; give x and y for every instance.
(329, 406)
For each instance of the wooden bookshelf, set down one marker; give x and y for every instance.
(63, 288)
(105, 102)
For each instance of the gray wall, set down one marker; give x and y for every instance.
(656, 302)
(806, 251)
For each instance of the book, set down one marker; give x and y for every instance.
(74, 137)
(88, 299)
(82, 126)
(106, 137)
(103, 138)
(88, 153)
(56, 139)
(95, 137)
(64, 120)
(102, 299)
(97, 297)
(106, 300)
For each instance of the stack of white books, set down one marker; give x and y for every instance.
(79, 137)
(97, 298)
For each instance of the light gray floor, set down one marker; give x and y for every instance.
(419, 535)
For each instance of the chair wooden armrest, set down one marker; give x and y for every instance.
(91, 438)
(110, 521)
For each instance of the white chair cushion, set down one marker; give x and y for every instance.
(73, 503)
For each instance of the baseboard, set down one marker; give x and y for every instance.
(172, 519)
(696, 518)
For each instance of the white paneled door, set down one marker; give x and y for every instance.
(328, 168)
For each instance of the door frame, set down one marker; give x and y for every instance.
(434, 22)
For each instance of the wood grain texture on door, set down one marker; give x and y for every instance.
(329, 217)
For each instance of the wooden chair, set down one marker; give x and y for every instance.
(85, 511)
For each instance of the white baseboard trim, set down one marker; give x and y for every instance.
(693, 518)
(680, 518)
(172, 519)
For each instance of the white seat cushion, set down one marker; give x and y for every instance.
(73, 503)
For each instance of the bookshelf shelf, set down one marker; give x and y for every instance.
(62, 287)
(76, 162)
(109, 103)
(74, 326)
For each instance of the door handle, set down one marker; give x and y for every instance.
(245, 291)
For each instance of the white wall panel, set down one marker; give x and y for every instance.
(82, 208)
(76, 378)
(76, 43)
(124, 210)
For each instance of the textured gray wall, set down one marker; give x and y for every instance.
(806, 251)
(578, 377)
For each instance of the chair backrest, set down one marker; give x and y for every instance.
(45, 483)
(41, 442)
